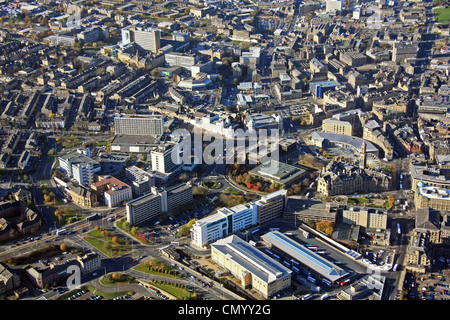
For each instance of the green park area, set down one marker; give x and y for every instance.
(179, 291)
(107, 242)
(442, 15)
(157, 268)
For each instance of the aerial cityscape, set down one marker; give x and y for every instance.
(237, 150)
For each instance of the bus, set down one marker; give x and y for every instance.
(311, 279)
(343, 283)
(60, 232)
(307, 297)
(92, 217)
(327, 282)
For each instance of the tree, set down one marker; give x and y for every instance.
(391, 201)
(325, 226)
(63, 247)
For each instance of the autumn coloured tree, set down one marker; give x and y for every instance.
(325, 226)
(63, 247)
(391, 201)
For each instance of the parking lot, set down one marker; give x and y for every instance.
(168, 230)
(431, 286)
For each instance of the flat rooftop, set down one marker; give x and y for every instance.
(251, 259)
(304, 255)
(278, 171)
(135, 140)
(78, 158)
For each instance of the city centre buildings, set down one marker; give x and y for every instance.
(230, 220)
(139, 125)
(250, 266)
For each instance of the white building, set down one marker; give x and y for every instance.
(250, 266)
(137, 125)
(114, 191)
(166, 158)
(225, 222)
(333, 5)
(214, 124)
(79, 167)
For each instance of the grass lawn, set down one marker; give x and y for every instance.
(442, 15)
(144, 267)
(105, 244)
(179, 293)
(232, 191)
(102, 143)
(357, 200)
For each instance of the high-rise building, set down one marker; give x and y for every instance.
(138, 125)
(166, 158)
(271, 206)
(141, 181)
(333, 5)
(146, 37)
(161, 200)
(80, 167)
